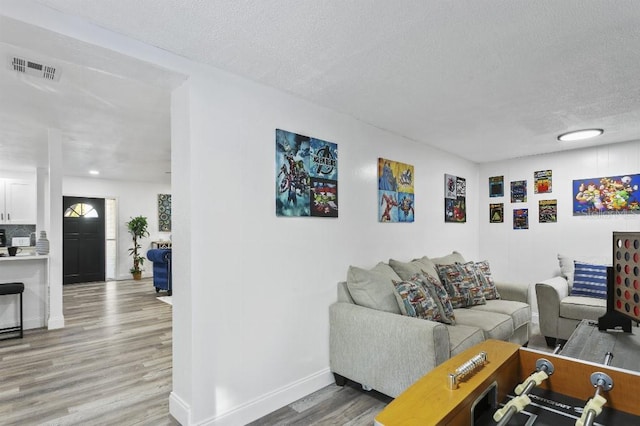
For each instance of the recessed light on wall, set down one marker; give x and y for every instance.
(579, 135)
(94, 172)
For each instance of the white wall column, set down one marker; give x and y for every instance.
(53, 221)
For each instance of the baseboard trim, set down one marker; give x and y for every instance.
(55, 322)
(269, 402)
(179, 409)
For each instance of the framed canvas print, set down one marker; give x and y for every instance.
(496, 213)
(519, 191)
(548, 211)
(455, 199)
(396, 194)
(606, 195)
(542, 182)
(306, 176)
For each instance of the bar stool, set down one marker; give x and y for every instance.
(12, 288)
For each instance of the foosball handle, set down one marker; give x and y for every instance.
(516, 405)
(594, 404)
(537, 377)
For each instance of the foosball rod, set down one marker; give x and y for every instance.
(601, 381)
(544, 368)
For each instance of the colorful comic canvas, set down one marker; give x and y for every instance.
(306, 176)
(455, 196)
(542, 181)
(396, 199)
(606, 195)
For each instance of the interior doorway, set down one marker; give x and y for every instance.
(83, 240)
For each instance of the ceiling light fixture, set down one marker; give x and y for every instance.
(579, 135)
(94, 172)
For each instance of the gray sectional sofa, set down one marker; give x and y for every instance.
(373, 344)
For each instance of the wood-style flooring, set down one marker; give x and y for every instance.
(110, 365)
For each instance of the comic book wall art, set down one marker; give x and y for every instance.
(520, 218)
(455, 196)
(542, 181)
(496, 213)
(548, 211)
(496, 186)
(606, 195)
(519, 191)
(306, 176)
(396, 199)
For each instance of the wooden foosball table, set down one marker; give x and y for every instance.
(501, 383)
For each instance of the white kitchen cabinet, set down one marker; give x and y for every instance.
(18, 202)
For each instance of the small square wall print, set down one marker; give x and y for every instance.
(520, 218)
(164, 212)
(496, 213)
(496, 186)
(542, 181)
(548, 211)
(519, 191)
(455, 199)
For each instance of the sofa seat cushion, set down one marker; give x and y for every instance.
(581, 307)
(519, 312)
(494, 325)
(462, 337)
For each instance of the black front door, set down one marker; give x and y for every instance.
(83, 245)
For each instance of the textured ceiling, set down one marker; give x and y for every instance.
(487, 80)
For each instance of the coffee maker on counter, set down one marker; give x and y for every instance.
(3, 238)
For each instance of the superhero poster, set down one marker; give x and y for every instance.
(455, 199)
(306, 176)
(395, 191)
(606, 195)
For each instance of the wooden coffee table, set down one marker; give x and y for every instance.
(589, 344)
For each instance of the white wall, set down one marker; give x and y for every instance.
(251, 327)
(132, 199)
(261, 284)
(529, 256)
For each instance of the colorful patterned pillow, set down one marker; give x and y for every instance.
(461, 284)
(485, 278)
(416, 301)
(438, 291)
(589, 280)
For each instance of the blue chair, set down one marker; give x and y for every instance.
(161, 259)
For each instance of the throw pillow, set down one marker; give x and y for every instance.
(372, 288)
(488, 285)
(462, 285)
(405, 270)
(589, 280)
(415, 301)
(437, 289)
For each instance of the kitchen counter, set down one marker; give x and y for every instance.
(33, 271)
(23, 257)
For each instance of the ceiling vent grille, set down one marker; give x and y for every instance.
(33, 68)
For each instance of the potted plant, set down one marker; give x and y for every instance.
(137, 227)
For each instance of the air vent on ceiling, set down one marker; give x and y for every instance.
(34, 68)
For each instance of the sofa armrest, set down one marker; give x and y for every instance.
(516, 292)
(385, 351)
(549, 294)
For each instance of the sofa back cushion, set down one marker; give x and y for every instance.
(373, 288)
